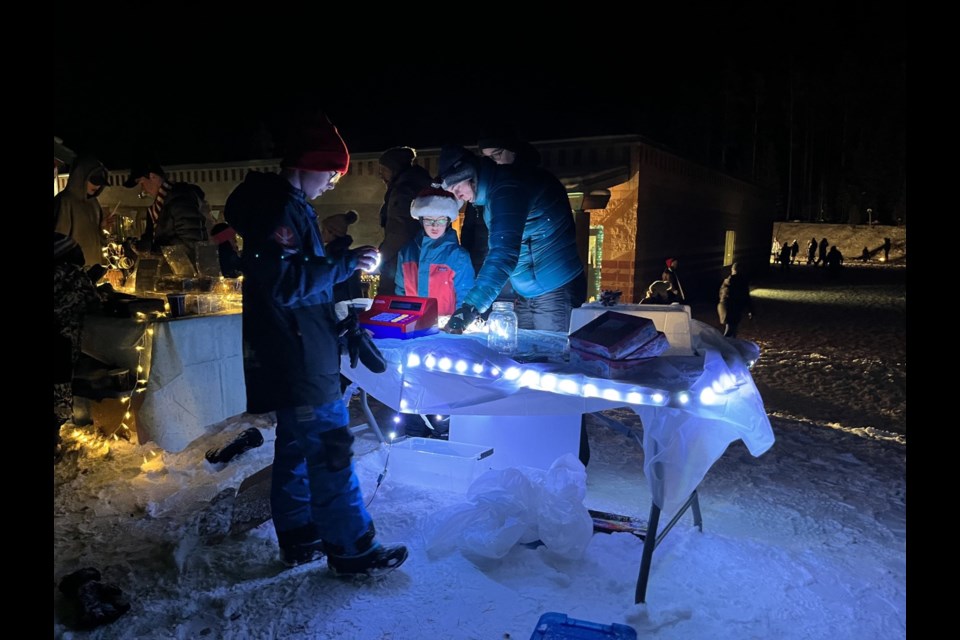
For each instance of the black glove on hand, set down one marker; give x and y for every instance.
(461, 319)
(359, 344)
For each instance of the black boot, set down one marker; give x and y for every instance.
(372, 558)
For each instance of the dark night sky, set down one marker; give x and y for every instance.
(664, 80)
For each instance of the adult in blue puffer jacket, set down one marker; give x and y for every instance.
(292, 361)
(433, 264)
(532, 240)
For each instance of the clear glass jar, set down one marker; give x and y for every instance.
(502, 328)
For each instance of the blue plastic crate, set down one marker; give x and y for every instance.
(559, 626)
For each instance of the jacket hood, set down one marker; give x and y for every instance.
(81, 171)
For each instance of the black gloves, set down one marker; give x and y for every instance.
(461, 319)
(359, 344)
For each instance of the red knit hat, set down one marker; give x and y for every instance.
(318, 148)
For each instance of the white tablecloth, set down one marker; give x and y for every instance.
(193, 365)
(691, 407)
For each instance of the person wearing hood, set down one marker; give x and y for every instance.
(176, 216)
(532, 242)
(77, 213)
(433, 264)
(404, 180)
(499, 143)
(292, 359)
(734, 301)
(532, 245)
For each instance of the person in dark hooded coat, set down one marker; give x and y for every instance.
(77, 213)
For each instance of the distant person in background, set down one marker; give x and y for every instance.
(775, 250)
(794, 250)
(176, 216)
(657, 293)
(865, 255)
(834, 260)
(670, 275)
(334, 230)
(886, 249)
(433, 264)
(822, 256)
(73, 295)
(785, 253)
(812, 251)
(734, 301)
(404, 180)
(77, 213)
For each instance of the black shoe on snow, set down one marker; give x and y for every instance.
(379, 561)
(298, 554)
(249, 439)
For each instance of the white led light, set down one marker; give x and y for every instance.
(512, 373)
(548, 381)
(430, 362)
(530, 378)
(413, 360)
(396, 419)
(709, 396)
(657, 397)
(611, 394)
(477, 368)
(683, 397)
(635, 398)
(494, 372)
(375, 265)
(461, 366)
(590, 391)
(445, 364)
(569, 386)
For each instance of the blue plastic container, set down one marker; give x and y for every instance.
(559, 626)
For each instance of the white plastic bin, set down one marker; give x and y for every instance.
(439, 464)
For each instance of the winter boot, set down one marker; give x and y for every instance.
(300, 546)
(373, 559)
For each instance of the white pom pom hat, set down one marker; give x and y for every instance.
(434, 202)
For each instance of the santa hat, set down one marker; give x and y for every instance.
(670, 262)
(434, 202)
(336, 225)
(319, 147)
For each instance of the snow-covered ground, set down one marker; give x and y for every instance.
(806, 541)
